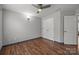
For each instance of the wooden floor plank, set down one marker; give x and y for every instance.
(38, 46)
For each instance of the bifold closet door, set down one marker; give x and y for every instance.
(48, 28)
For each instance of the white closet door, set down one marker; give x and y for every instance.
(48, 28)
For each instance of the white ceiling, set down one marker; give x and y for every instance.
(28, 8)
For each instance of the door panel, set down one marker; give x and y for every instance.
(70, 30)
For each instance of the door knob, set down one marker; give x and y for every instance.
(65, 31)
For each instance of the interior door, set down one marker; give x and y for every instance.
(70, 30)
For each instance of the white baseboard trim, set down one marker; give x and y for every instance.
(48, 38)
(12, 41)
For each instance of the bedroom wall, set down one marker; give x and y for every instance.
(58, 27)
(0, 27)
(17, 28)
(55, 21)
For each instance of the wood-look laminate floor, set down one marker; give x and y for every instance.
(39, 46)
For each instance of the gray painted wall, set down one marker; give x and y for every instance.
(17, 28)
